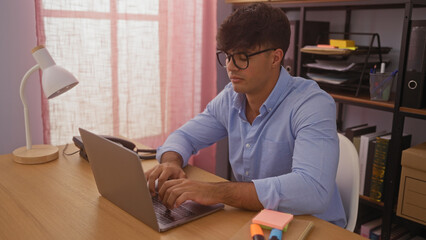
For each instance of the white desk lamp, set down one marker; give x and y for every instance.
(55, 81)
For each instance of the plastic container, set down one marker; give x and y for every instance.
(381, 86)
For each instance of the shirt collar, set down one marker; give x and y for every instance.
(239, 104)
(280, 90)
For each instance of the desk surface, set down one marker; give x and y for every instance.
(59, 200)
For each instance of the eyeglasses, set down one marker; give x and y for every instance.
(240, 59)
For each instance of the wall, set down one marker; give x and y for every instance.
(18, 37)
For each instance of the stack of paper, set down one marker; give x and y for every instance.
(325, 50)
(329, 78)
(333, 65)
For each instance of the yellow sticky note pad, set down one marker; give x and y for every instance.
(341, 43)
(272, 219)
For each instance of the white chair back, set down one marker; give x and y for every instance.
(347, 180)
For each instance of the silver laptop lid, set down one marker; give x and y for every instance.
(119, 177)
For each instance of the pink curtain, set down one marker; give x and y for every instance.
(145, 67)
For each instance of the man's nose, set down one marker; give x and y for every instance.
(230, 65)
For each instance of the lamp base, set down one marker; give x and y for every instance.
(36, 155)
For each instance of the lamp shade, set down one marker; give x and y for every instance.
(55, 80)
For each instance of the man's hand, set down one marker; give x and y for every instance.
(170, 168)
(237, 194)
(175, 192)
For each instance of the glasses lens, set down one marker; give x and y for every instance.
(221, 57)
(241, 60)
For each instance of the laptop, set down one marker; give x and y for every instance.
(120, 179)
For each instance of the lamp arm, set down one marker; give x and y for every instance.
(24, 103)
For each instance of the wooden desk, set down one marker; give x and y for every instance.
(59, 200)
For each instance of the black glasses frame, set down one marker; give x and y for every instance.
(231, 56)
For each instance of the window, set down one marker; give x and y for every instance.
(145, 67)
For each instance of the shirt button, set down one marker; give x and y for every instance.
(247, 145)
(270, 109)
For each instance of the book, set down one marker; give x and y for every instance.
(357, 142)
(406, 236)
(367, 227)
(376, 234)
(365, 215)
(347, 129)
(418, 238)
(364, 141)
(379, 164)
(350, 133)
(356, 126)
(369, 167)
(397, 232)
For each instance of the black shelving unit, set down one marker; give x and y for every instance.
(393, 166)
(387, 206)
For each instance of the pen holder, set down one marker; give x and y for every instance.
(380, 86)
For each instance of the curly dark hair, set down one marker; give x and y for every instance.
(253, 26)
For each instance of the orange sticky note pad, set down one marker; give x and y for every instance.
(273, 219)
(325, 46)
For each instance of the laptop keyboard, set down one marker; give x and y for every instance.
(165, 215)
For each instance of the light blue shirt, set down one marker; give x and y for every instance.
(290, 151)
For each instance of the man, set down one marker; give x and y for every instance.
(283, 144)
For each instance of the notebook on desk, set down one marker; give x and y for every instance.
(120, 179)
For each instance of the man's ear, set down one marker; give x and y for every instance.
(278, 56)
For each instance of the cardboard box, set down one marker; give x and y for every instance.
(412, 189)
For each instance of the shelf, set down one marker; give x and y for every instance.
(332, 4)
(362, 50)
(362, 100)
(413, 112)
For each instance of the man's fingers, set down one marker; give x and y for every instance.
(172, 194)
(182, 174)
(164, 176)
(182, 198)
(151, 180)
(163, 188)
(149, 172)
(168, 191)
